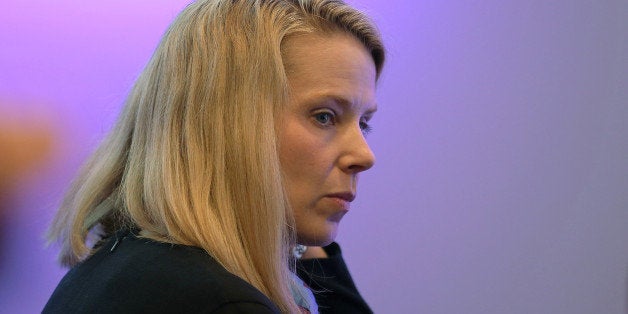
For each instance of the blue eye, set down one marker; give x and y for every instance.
(365, 127)
(325, 118)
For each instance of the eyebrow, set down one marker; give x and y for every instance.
(341, 101)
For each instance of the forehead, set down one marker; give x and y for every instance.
(329, 64)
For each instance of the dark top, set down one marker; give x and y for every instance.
(134, 275)
(332, 284)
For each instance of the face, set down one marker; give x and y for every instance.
(321, 132)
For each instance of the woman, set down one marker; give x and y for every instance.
(243, 136)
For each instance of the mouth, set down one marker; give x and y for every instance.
(341, 200)
(345, 196)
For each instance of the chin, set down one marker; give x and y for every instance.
(319, 237)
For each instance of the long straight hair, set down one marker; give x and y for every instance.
(193, 156)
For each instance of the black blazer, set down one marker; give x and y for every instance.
(128, 274)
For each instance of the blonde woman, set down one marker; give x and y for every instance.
(243, 137)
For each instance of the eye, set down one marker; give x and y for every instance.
(365, 127)
(324, 118)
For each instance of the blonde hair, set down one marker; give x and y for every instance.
(193, 157)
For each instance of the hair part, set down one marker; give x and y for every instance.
(193, 156)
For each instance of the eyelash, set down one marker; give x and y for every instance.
(364, 125)
(331, 115)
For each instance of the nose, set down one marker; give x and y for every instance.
(356, 155)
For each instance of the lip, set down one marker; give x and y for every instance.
(345, 196)
(341, 201)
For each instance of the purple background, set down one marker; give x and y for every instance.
(502, 146)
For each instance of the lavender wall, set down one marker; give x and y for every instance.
(502, 145)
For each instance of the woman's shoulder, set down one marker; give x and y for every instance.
(133, 274)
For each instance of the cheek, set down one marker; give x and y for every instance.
(301, 152)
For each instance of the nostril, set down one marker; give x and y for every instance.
(360, 167)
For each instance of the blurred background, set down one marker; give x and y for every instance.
(501, 137)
